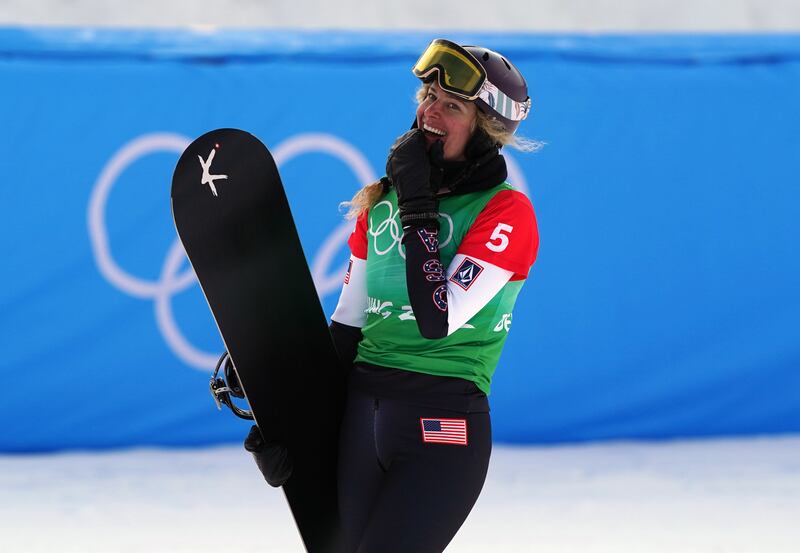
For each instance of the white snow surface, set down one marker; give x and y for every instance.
(709, 496)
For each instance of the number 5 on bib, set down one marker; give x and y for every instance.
(498, 241)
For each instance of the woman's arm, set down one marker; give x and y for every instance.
(350, 314)
(500, 245)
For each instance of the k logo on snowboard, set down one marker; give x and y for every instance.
(208, 178)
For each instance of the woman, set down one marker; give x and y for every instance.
(441, 248)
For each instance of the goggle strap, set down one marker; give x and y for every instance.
(502, 104)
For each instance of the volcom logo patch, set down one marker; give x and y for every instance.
(466, 273)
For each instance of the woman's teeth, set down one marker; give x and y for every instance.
(432, 130)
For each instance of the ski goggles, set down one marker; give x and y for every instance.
(460, 73)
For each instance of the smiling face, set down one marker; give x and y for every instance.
(448, 118)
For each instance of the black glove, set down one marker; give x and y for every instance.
(410, 170)
(272, 458)
(345, 339)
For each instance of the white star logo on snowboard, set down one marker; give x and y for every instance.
(208, 178)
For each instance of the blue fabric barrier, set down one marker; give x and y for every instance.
(664, 302)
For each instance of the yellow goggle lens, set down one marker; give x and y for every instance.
(458, 71)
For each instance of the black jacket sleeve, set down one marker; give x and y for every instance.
(345, 339)
(426, 280)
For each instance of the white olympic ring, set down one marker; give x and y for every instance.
(392, 223)
(394, 229)
(171, 281)
(129, 153)
(326, 282)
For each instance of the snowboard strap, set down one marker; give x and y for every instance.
(223, 388)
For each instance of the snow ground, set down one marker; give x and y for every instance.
(715, 496)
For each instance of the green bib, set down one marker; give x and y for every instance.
(391, 337)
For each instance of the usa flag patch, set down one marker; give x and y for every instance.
(347, 274)
(466, 273)
(444, 431)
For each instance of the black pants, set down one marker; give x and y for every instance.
(398, 492)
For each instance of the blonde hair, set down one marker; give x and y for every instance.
(370, 193)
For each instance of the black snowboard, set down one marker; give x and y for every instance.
(234, 221)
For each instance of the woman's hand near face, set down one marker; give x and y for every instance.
(409, 169)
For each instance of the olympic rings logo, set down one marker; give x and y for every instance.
(172, 280)
(392, 224)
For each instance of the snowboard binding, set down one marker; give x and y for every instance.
(223, 388)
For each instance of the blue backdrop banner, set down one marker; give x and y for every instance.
(664, 301)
